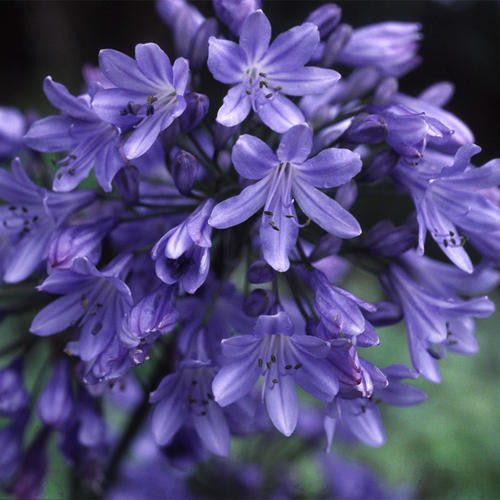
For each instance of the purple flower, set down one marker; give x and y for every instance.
(282, 177)
(95, 300)
(283, 359)
(408, 132)
(149, 94)
(83, 240)
(30, 218)
(183, 254)
(185, 394)
(448, 195)
(339, 310)
(91, 141)
(390, 46)
(264, 73)
(434, 319)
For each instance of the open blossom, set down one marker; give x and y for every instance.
(95, 300)
(283, 359)
(283, 177)
(263, 74)
(29, 220)
(148, 97)
(91, 142)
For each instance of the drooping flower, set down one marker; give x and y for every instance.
(149, 94)
(389, 46)
(283, 177)
(183, 254)
(447, 196)
(29, 219)
(263, 74)
(283, 359)
(91, 142)
(434, 320)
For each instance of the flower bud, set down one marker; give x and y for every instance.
(84, 240)
(260, 272)
(346, 195)
(196, 109)
(55, 404)
(325, 18)
(380, 166)
(184, 171)
(385, 240)
(199, 47)
(385, 91)
(366, 129)
(386, 314)
(233, 12)
(335, 43)
(127, 182)
(257, 302)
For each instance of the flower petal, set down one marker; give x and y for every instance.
(330, 168)
(213, 430)
(235, 108)
(279, 113)
(239, 208)
(153, 63)
(325, 212)
(296, 144)
(50, 134)
(282, 404)
(252, 157)
(255, 36)
(226, 60)
(123, 71)
(235, 380)
(291, 49)
(304, 81)
(58, 315)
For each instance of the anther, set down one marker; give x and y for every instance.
(275, 380)
(268, 364)
(298, 365)
(268, 96)
(273, 225)
(97, 328)
(85, 302)
(269, 213)
(273, 358)
(249, 92)
(260, 362)
(263, 74)
(278, 88)
(288, 367)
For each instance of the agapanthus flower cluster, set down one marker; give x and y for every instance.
(181, 260)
